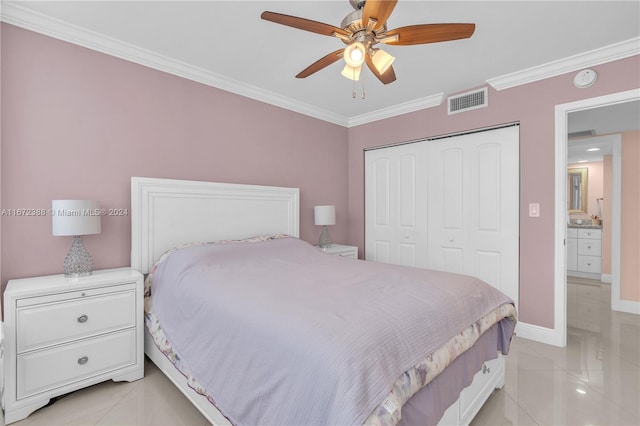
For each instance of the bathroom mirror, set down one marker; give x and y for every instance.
(577, 194)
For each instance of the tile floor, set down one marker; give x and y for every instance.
(595, 380)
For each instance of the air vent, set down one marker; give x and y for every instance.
(468, 101)
(581, 134)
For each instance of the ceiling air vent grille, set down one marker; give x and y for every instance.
(582, 134)
(468, 101)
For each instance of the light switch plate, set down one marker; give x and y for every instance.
(534, 209)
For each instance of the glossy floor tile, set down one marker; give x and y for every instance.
(595, 380)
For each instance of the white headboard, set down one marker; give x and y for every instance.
(166, 213)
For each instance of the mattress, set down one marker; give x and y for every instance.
(397, 363)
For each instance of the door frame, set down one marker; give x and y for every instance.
(562, 112)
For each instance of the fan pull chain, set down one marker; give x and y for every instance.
(353, 94)
(362, 85)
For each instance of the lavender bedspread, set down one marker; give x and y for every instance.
(281, 333)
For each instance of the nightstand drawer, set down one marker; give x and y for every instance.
(41, 371)
(52, 323)
(341, 250)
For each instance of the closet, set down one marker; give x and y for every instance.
(449, 204)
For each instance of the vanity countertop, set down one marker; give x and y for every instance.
(585, 226)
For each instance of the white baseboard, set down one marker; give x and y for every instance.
(588, 275)
(627, 306)
(549, 336)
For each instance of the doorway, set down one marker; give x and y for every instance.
(560, 270)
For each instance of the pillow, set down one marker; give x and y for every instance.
(166, 254)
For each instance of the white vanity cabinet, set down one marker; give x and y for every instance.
(572, 249)
(63, 334)
(584, 252)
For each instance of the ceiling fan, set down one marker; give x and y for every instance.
(365, 28)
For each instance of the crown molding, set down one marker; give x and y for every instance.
(404, 108)
(15, 14)
(577, 62)
(23, 17)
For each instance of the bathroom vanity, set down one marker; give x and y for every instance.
(584, 251)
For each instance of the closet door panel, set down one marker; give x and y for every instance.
(452, 260)
(487, 164)
(488, 173)
(451, 164)
(381, 192)
(447, 245)
(395, 205)
(488, 266)
(382, 251)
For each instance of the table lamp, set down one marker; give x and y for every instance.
(76, 218)
(323, 216)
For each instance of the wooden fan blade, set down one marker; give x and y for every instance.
(430, 33)
(389, 75)
(302, 23)
(321, 63)
(380, 10)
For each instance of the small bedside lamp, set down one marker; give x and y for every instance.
(77, 218)
(324, 215)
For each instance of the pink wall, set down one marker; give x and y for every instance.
(78, 124)
(629, 226)
(533, 105)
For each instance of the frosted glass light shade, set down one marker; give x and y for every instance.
(324, 215)
(75, 217)
(351, 73)
(382, 60)
(354, 54)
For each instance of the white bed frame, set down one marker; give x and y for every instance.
(166, 213)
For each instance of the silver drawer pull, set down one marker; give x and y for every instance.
(82, 319)
(83, 360)
(485, 369)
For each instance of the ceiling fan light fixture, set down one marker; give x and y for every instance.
(352, 73)
(382, 60)
(354, 54)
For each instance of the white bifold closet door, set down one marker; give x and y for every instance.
(396, 205)
(450, 204)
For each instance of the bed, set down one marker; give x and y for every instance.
(187, 235)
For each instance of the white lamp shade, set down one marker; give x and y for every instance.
(75, 217)
(324, 215)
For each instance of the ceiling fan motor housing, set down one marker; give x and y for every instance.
(357, 4)
(352, 24)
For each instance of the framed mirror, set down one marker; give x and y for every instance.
(577, 190)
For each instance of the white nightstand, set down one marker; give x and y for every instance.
(341, 250)
(63, 334)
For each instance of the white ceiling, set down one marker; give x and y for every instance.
(227, 45)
